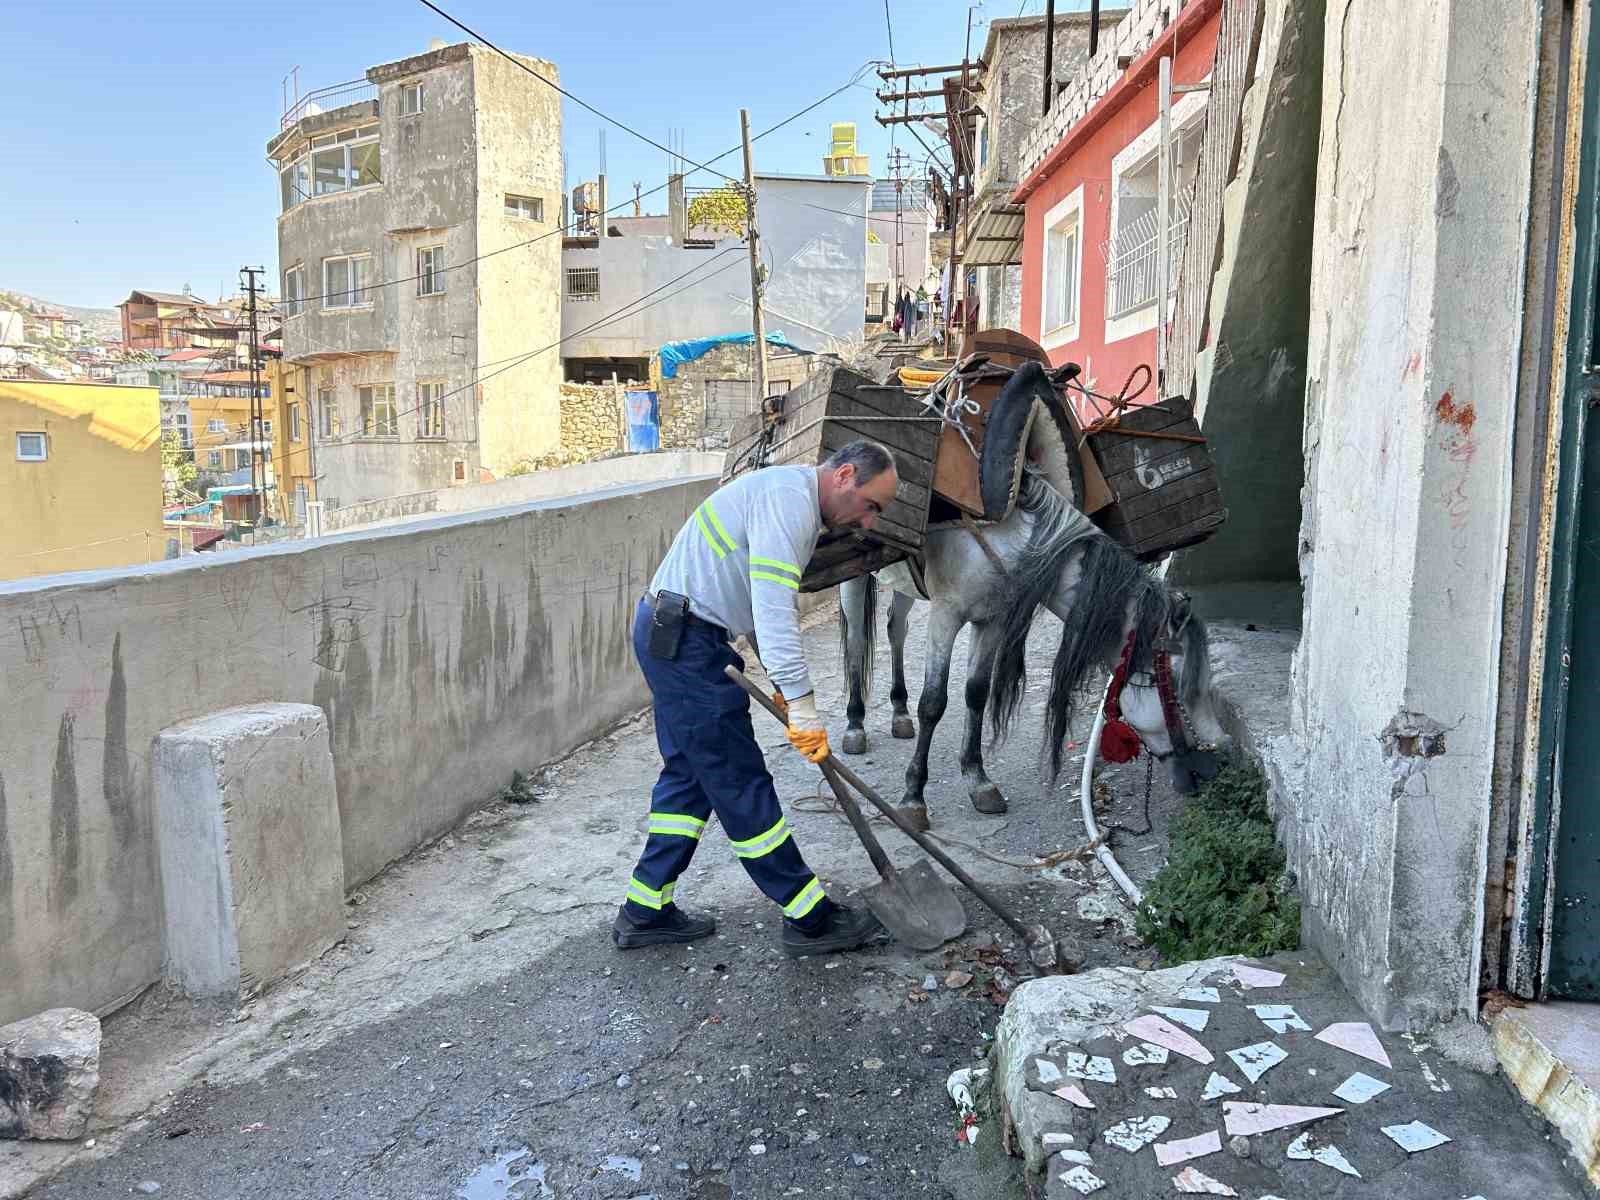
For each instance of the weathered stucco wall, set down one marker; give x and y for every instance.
(1415, 297)
(518, 140)
(446, 654)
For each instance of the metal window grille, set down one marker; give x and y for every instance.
(583, 283)
(1131, 256)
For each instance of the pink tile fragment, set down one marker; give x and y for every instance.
(1255, 977)
(1164, 1033)
(1169, 1154)
(1356, 1037)
(1074, 1094)
(1197, 1183)
(1240, 1117)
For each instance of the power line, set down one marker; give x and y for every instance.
(564, 229)
(889, 24)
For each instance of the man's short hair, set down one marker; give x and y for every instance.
(870, 459)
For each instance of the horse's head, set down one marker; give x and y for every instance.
(1168, 698)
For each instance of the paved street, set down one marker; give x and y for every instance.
(479, 1011)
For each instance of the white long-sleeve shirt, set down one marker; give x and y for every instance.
(739, 560)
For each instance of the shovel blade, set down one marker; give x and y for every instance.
(917, 907)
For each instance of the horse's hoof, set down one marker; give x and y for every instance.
(989, 800)
(903, 727)
(855, 741)
(915, 816)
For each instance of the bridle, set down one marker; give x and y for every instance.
(1120, 742)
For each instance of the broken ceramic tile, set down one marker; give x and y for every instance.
(1143, 1053)
(1356, 1037)
(1415, 1137)
(1163, 1033)
(1194, 1018)
(1244, 1117)
(1170, 1154)
(1091, 1067)
(1200, 995)
(1077, 1157)
(1198, 1184)
(1329, 1156)
(1249, 977)
(1081, 1179)
(1360, 1088)
(1280, 1018)
(1161, 1093)
(1056, 1141)
(1073, 1094)
(1255, 1061)
(1048, 1071)
(1136, 1132)
(1219, 1085)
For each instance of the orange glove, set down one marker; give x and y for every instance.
(806, 731)
(780, 703)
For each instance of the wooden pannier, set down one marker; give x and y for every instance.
(833, 408)
(1164, 488)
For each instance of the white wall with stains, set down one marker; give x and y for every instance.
(447, 654)
(1422, 204)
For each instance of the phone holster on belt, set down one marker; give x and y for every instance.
(670, 615)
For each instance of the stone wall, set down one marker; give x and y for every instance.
(445, 654)
(683, 397)
(591, 421)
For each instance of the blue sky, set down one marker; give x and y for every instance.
(136, 134)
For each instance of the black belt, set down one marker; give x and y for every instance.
(691, 619)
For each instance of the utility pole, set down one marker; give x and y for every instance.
(258, 469)
(758, 325)
(1163, 223)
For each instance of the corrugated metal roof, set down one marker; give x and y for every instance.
(994, 237)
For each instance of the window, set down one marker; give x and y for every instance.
(325, 403)
(345, 281)
(214, 459)
(31, 447)
(180, 423)
(430, 410)
(583, 283)
(266, 431)
(1131, 267)
(378, 418)
(294, 290)
(430, 271)
(1062, 268)
(410, 99)
(294, 422)
(295, 182)
(216, 425)
(339, 162)
(529, 208)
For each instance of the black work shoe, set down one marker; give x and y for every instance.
(845, 928)
(672, 927)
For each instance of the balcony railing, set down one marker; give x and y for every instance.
(324, 99)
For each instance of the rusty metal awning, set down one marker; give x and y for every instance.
(994, 233)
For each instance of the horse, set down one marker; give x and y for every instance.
(1116, 614)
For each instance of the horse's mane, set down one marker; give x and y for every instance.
(1112, 586)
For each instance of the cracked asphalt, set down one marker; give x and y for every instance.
(478, 1036)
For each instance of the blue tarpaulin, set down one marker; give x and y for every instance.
(644, 421)
(675, 354)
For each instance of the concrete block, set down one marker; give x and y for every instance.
(1551, 1053)
(49, 1070)
(252, 861)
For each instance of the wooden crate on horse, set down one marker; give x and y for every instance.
(1165, 490)
(825, 413)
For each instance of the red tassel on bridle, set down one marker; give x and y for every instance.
(1119, 741)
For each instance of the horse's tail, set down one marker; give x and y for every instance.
(861, 672)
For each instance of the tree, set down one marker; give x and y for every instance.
(178, 471)
(723, 210)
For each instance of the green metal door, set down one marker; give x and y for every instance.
(1569, 793)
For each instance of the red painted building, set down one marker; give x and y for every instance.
(1089, 189)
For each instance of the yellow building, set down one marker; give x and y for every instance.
(293, 440)
(80, 477)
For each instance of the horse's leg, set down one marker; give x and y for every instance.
(943, 625)
(986, 797)
(902, 725)
(856, 602)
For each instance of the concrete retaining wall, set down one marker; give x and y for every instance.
(446, 654)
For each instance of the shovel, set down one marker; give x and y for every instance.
(914, 904)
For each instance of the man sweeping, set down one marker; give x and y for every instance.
(734, 569)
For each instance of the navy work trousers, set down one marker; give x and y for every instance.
(710, 763)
